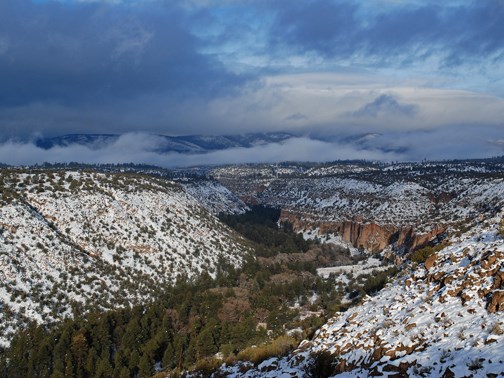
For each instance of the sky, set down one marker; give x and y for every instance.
(427, 76)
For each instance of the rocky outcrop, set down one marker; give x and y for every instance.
(403, 329)
(361, 234)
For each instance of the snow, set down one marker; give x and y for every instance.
(415, 323)
(413, 196)
(96, 242)
(363, 267)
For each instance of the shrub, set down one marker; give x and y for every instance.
(207, 366)
(497, 329)
(422, 254)
(279, 346)
(322, 365)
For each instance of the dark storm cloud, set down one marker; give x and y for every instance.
(401, 31)
(232, 66)
(385, 105)
(92, 56)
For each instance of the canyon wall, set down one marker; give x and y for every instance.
(361, 234)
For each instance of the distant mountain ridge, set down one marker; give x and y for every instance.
(180, 144)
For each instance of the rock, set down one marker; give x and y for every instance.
(466, 296)
(499, 280)
(497, 302)
(360, 233)
(410, 326)
(431, 260)
(490, 340)
(448, 280)
(455, 292)
(448, 373)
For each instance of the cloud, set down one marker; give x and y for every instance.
(142, 148)
(393, 146)
(329, 100)
(99, 57)
(393, 32)
(385, 105)
(229, 66)
(296, 117)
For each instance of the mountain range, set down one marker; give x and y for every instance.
(198, 144)
(181, 144)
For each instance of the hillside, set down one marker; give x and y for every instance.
(91, 246)
(75, 240)
(443, 318)
(372, 206)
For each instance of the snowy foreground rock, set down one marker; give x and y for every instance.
(442, 319)
(73, 241)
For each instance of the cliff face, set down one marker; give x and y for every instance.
(367, 235)
(438, 319)
(406, 207)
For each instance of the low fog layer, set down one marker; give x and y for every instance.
(141, 148)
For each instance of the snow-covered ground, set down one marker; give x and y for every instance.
(329, 238)
(71, 240)
(215, 197)
(436, 320)
(420, 196)
(362, 267)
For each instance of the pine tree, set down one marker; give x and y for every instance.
(103, 369)
(207, 342)
(144, 367)
(124, 373)
(69, 366)
(134, 360)
(91, 361)
(169, 361)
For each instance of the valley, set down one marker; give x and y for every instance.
(224, 270)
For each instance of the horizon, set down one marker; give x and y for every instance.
(426, 77)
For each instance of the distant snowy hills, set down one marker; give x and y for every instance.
(198, 144)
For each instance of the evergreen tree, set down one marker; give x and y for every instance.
(91, 362)
(144, 367)
(208, 342)
(69, 366)
(169, 360)
(103, 369)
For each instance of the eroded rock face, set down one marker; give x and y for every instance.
(367, 235)
(409, 317)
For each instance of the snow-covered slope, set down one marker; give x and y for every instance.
(214, 197)
(373, 206)
(73, 240)
(402, 202)
(444, 318)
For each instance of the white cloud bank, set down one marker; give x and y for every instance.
(141, 149)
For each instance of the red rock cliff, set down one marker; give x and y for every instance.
(362, 234)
